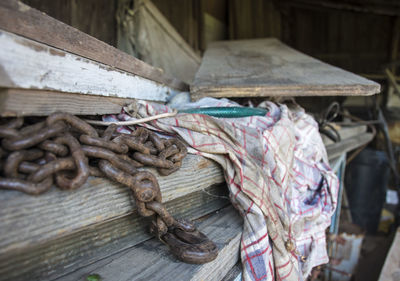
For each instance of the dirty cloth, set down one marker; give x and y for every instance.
(279, 179)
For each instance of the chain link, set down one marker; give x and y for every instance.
(61, 148)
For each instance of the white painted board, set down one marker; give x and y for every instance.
(31, 65)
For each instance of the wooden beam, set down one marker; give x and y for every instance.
(23, 20)
(392, 81)
(225, 228)
(179, 59)
(30, 65)
(267, 67)
(57, 257)
(336, 149)
(144, 31)
(387, 8)
(392, 263)
(374, 76)
(13, 102)
(345, 132)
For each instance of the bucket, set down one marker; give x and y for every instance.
(366, 183)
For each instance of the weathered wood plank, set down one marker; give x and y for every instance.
(21, 19)
(13, 102)
(234, 274)
(391, 268)
(146, 33)
(152, 261)
(388, 7)
(345, 132)
(28, 220)
(336, 149)
(27, 64)
(267, 67)
(49, 260)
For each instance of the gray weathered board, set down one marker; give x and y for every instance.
(13, 102)
(60, 231)
(18, 18)
(145, 32)
(345, 145)
(27, 64)
(152, 261)
(346, 132)
(66, 253)
(267, 67)
(391, 268)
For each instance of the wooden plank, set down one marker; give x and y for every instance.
(49, 260)
(387, 7)
(28, 220)
(21, 19)
(13, 102)
(234, 274)
(146, 33)
(336, 149)
(267, 67)
(27, 64)
(391, 267)
(152, 261)
(345, 132)
(185, 17)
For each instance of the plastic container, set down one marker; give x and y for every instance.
(366, 183)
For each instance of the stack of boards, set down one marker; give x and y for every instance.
(47, 66)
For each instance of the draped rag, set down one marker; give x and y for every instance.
(279, 179)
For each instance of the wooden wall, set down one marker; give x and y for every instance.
(355, 36)
(354, 40)
(94, 17)
(185, 17)
(253, 19)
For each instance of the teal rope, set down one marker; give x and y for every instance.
(227, 112)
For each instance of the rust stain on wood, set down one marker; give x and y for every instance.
(203, 164)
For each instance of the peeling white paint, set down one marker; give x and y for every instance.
(27, 64)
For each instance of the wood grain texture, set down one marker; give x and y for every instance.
(27, 64)
(336, 149)
(49, 260)
(387, 7)
(23, 20)
(267, 67)
(28, 220)
(13, 102)
(153, 261)
(391, 268)
(345, 133)
(235, 273)
(185, 17)
(93, 17)
(147, 34)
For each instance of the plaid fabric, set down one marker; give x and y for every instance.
(279, 179)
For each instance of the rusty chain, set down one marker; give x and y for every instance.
(65, 150)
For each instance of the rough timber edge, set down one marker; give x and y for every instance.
(27, 64)
(198, 92)
(19, 18)
(223, 227)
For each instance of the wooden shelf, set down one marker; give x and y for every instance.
(60, 231)
(267, 67)
(151, 260)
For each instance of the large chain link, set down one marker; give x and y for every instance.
(65, 150)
